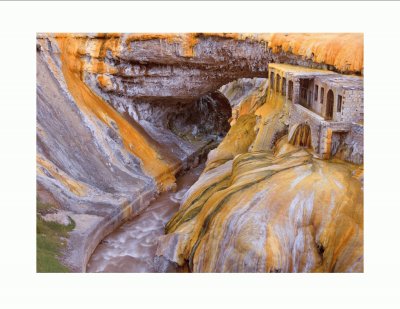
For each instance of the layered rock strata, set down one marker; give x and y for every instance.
(118, 115)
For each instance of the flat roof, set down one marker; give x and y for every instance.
(298, 70)
(349, 82)
(336, 80)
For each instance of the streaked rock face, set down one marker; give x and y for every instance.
(263, 204)
(118, 115)
(342, 52)
(265, 213)
(161, 68)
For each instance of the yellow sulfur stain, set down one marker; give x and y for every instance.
(275, 211)
(104, 81)
(250, 104)
(280, 210)
(345, 51)
(238, 140)
(94, 106)
(271, 119)
(74, 186)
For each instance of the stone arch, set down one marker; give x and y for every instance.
(301, 135)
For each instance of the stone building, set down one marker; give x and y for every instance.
(331, 104)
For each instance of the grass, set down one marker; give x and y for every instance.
(50, 242)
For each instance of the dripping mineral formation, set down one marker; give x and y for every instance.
(278, 118)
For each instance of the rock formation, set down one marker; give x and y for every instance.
(265, 204)
(119, 115)
(270, 213)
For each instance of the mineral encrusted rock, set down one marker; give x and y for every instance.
(118, 115)
(266, 213)
(266, 204)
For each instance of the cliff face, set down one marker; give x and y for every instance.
(118, 115)
(168, 68)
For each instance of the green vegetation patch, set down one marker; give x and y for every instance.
(51, 238)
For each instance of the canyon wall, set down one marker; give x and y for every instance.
(118, 115)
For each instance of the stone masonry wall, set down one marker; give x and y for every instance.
(337, 116)
(321, 130)
(353, 106)
(299, 114)
(352, 149)
(343, 132)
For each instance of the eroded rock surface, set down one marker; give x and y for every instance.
(118, 115)
(266, 205)
(261, 213)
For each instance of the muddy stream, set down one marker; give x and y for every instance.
(132, 247)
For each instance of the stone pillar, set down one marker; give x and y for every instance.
(296, 91)
(326, 143)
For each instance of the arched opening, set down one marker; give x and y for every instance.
(290, 90)
(305, 92)
(203, 120)
(284, 86)
(278, 83)
(301, 136)
(329, 105)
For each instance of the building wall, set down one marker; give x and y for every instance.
(353, 106)
(352, 103)
(328, 133)
(277, 83)
(298, 115)
(321, 108)
(321, 131)
(344, 128)
(310, 92)
(315, 104)
(352, 148)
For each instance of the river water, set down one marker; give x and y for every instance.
(132, 247)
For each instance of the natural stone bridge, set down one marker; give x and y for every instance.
(180, 67)
(170, 68)
(108, 105)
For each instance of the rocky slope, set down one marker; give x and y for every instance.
(265, 213)
(266, 205)
(118, 115)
